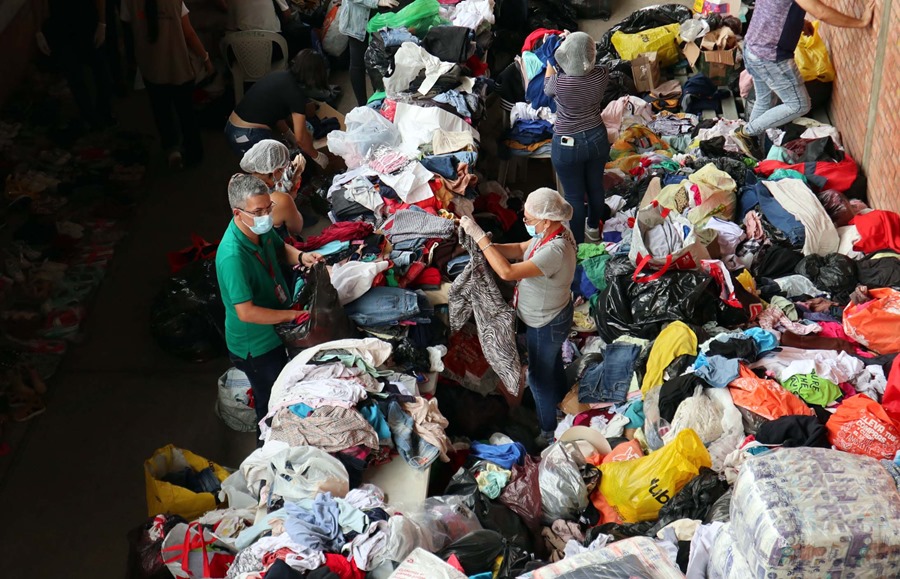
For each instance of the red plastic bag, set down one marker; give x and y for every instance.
(199, 250)
(874, 324)
(862, 426)
(891, 399)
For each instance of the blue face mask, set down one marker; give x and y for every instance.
(261, 224)
(531, 230)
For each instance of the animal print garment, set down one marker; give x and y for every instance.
(475, 291)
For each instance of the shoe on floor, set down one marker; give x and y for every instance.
(592, 235)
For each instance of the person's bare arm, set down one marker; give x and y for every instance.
(829, 15)
(304, 139)
(249, 313)
(288, 212)
(500, 264)
(194, 44)
(512, 251)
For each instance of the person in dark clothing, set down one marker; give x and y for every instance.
(73, 34)
(278, 104)
(164, 41)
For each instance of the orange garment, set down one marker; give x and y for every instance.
(765, 397)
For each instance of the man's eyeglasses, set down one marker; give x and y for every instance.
(260, 212)
(530, 221)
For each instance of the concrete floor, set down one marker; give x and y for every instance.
(73, 484)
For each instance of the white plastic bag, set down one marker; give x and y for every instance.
(191, 551)
(232, 405)
(354, 278)
(423, 565)
(365, 129)
(303, 472)
(563, 493)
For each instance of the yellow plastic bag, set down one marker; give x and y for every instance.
(638, 488)
(168, 498)
(812, 57)
(662, 40)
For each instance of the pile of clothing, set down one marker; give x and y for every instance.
(732, 351)
(68, 195)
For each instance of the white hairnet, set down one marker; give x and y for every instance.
(545, 203)
(576, 54)
(265, 157)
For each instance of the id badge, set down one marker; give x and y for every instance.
(280, 293)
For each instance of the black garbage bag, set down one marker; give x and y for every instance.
(476, 551)
(642, 309)
(834, 273)
(522, 494)
(552, 14)
(187, 318)
(778, 261)
(619, 531)
(882, 272)
(695, 500)
(492, 516)
(640, 20)
(592, 8)
(721, 509)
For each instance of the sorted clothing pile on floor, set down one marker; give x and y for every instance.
(67, 193)
(735, 404)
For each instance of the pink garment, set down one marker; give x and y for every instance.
(753, 225)
(775, 319)
(847, 389)
(835, 330)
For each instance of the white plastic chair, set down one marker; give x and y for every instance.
(252, 50)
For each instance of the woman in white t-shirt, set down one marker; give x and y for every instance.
(544, 270)
(163, 43)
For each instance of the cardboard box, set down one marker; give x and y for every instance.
(715, 55)
(645, 69)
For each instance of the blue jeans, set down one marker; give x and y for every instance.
(609, 380)
(240, 139)
(771, 79)
(262, 371)
(415, 451)
(580, 172)
(381, 306)
(546, 374)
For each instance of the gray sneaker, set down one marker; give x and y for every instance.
(592, 234)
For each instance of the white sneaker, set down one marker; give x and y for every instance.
(592, 235)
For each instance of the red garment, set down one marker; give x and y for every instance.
(389, 109)
(490, 203)
(584, 419)
(477, 67)
(431, 205)
(538, 34)
(838, 176)
(340, 566)
(891, 399)
(878, 230)
(429, 276)
(340, 231)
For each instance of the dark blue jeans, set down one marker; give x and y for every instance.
(240, 139)
(580, 171)
(609, 380)
(546, 374)
(262, 371)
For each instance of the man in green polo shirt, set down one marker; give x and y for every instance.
(253, 288)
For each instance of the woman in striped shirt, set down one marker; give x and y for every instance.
(580, 146)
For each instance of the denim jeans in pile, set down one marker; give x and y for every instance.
(770, 79)
(415, 451)
(609, 380)
(546, 374)
(382, 306)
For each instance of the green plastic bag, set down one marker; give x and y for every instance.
(419, 17)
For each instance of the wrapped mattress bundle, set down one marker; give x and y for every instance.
(725, 559)
(815, 512)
